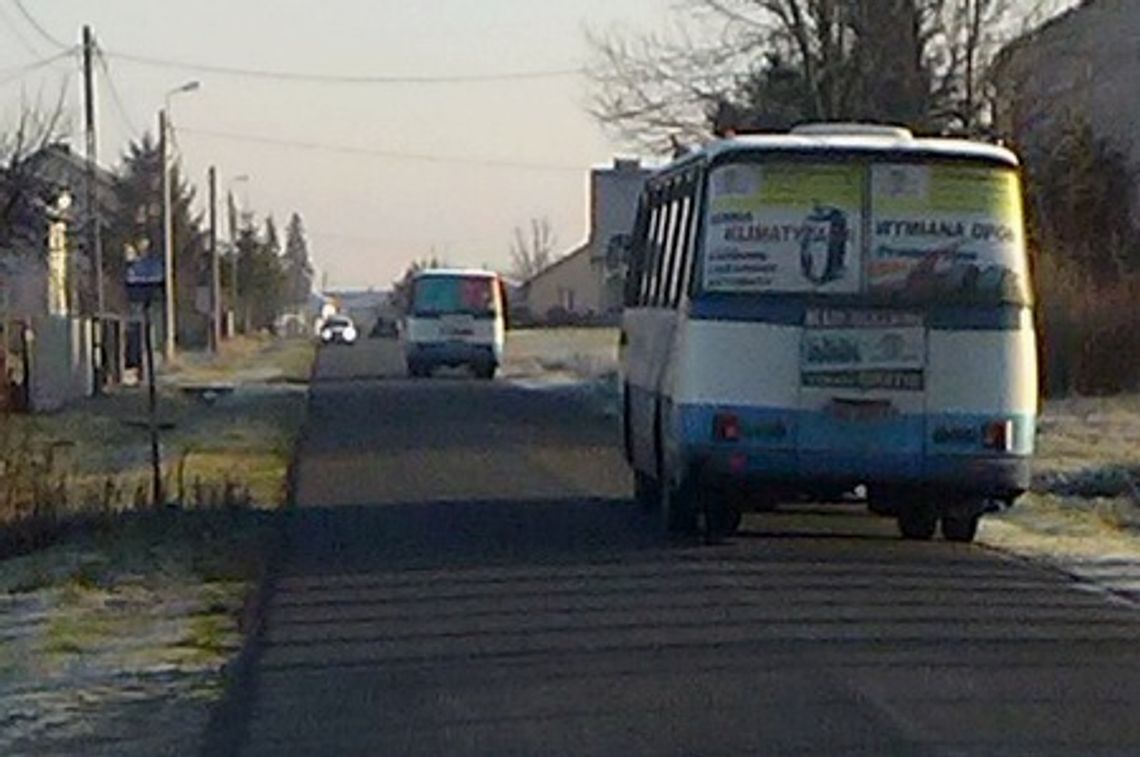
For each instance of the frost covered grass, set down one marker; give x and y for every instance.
(245, 359)
(572, 353)
(217, 447)
(1084, 503)
(114, 631)
(116, 636)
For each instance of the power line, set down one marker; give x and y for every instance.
(385, 154)
(37, 26)
(19, 72)
(19, 35)
(120, 107)
(318, 234)
(502, 76)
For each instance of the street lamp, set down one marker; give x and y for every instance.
(168, 218)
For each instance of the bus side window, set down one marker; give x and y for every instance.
(680, 248)
(689, 235)
(670, 241)
(664, 256)
(635, 260)
(693, 271)
(653, 249)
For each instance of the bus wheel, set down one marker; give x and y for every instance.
(722, 515)
(679, 507)
(646, 491)
(960, 528)
(917, 523)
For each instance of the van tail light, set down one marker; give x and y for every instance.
(998, 436)
(726, 427)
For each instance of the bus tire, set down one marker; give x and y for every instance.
(626, 426)
(722, 515)
(960, 528)
(917, 523)
(680, 507)
(646, 491)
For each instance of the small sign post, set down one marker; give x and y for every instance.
(146, 281)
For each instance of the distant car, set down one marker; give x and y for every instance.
(338, 329)
(384, 328)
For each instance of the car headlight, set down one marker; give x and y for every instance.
(326, 335)
(350, 334)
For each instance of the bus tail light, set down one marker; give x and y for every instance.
(726, 427)
(998, 436)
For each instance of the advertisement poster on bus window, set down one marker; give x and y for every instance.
(946, 233)
(790, 227)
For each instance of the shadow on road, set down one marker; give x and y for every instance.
(427, 534)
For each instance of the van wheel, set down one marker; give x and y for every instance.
(917, 523)
(679, 507)
(960, 528)
(646, 491)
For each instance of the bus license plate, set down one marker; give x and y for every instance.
(860, 411)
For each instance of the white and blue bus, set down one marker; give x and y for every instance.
(838, 308)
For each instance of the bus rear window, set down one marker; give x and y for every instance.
(784, 227)
(929, 233)
(947, 233)
(443, 295)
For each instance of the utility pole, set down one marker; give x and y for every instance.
(167, 240)
(215, 265)
(93, 220)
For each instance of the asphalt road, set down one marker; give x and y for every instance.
(467, 576)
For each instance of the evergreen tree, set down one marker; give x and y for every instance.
(272, 238)
(136, 230)
(297, 265)
(260, 279)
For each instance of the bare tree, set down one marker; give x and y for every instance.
(24, 194)
(768, 64)
(400, 298)
(531, 255)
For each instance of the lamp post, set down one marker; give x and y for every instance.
(168, 219)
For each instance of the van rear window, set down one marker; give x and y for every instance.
(440, 295)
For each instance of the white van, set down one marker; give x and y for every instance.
(454, 318)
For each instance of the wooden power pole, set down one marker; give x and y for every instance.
(92, 219)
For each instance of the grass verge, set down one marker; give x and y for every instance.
(115, 631)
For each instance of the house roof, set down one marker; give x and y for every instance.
(63, 155)
(583, 249)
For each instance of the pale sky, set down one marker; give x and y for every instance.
(367, 216)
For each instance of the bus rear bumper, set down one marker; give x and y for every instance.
(787, 470)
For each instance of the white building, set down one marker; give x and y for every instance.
(588, 281)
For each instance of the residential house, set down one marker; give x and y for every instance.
(49, 350)
(588, 281)
(1081, 63)
(568, 288)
